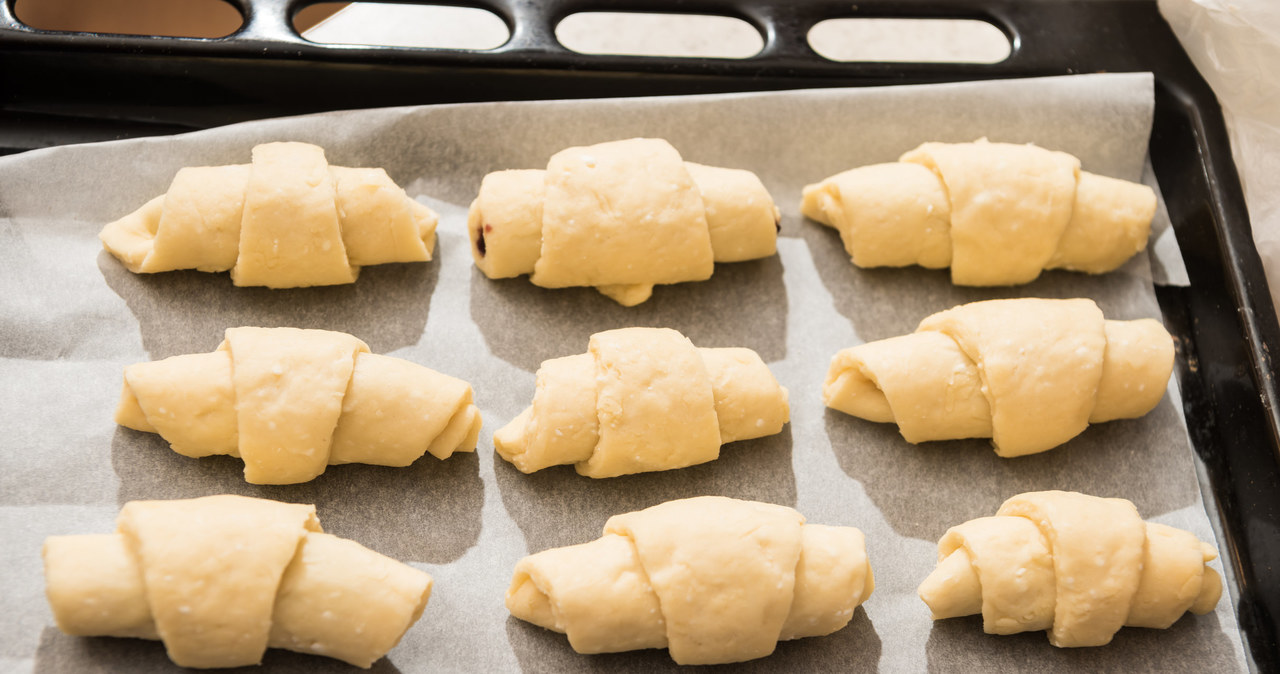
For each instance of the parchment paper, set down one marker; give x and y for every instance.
(1236, 47)
(73, 317)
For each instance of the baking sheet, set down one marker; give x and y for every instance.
(71, 318)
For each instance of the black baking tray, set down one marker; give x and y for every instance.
(58, 88)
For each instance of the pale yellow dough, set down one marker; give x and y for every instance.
(291, 402)
(996, 213)
(713, 579)
(287, 220)
(621, 216)
(643, 399)
(220, 579)
(1029, 373)
(1080, 567)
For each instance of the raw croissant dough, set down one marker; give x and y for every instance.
(222, 578)
(291, 402)
(996, 213)
(285, 221)
(1029, 373)
(1078, 566)
(643, 399)
(713, 579)
(620, 216)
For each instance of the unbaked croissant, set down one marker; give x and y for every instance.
(620, 216)
(713, 579)
(643, 399)
(290, 402)
(220, 579)
(996, 213)
(1078, 566)
(1029, 373)
(287, 220)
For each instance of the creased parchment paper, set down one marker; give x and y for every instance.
(73, 318)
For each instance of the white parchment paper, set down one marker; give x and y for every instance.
(1235, 45)
(71, 318)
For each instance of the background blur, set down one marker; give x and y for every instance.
(180, 18)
